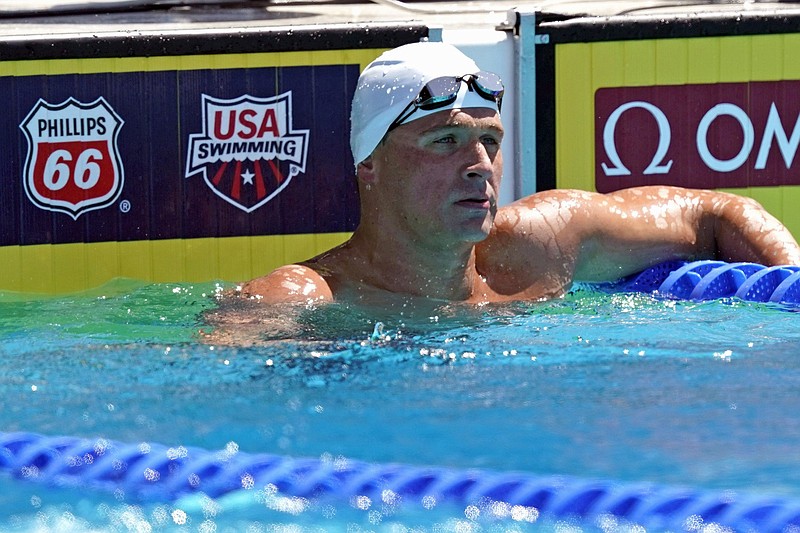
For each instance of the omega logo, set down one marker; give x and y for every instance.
(773, 132)
(702, 135)
(664, 138)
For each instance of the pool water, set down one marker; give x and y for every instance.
(623, 387)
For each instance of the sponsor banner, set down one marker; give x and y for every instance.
(255, 138)
(177, 154)
(73, 164)
(720, 135)
(711, 98)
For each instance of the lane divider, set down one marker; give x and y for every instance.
(709, 280)
(154, 472)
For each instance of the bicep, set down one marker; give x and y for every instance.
(625, 232)
(567, 234)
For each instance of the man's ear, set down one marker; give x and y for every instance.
(366, 171)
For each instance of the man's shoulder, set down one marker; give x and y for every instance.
(534, 244)
(539, 217)
(288, 284)
(555, 198)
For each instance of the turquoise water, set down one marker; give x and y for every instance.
(618, 387)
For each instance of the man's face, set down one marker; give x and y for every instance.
(439, 175)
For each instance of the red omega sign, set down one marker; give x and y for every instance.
(702, 136)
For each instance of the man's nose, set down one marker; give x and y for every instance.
(479, 165)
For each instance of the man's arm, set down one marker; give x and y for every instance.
(240, 320)
(543, 242)
(288, 284)
(627, 231)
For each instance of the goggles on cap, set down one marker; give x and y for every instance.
(440, 92)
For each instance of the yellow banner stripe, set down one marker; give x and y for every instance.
(64, 268)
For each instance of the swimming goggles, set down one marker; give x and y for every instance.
(440, 92)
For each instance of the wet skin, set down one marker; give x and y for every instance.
(430, 227)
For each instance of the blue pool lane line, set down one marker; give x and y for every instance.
(709, 280)
(153, 472)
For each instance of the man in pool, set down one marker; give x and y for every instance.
(426, 134)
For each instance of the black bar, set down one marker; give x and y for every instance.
(210, 41)
(672, 26)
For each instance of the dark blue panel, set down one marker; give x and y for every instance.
(161, 110)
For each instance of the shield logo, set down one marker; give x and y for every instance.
(73, 163)
(249, 150)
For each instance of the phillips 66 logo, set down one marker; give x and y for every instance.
(248, 151)
(73, 164)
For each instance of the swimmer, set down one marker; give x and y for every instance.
(426, 135)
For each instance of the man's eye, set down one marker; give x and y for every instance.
(447, 139)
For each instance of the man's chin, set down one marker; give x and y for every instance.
(478, 234)
(473, 229)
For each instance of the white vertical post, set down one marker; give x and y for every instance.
(525, 149)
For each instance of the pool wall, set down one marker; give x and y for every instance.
(204, 153)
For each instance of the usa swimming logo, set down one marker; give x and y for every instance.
(73, 164)
(249, 150)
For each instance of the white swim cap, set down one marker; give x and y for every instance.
(391, 82)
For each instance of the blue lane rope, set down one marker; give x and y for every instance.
(709, 280)
(156, 472)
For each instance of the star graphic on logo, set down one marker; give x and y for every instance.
(247, 177)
